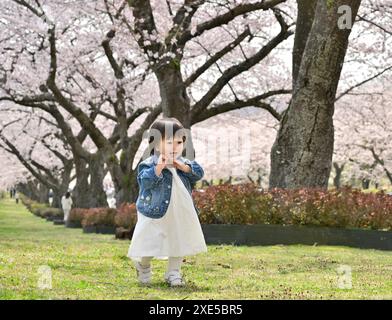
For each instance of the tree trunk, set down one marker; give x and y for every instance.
(302, 152)
(124, 177)
(28, 189)
(338, 175)
(80, 195)
(306, 9)
(56, 199)
(42, 193)
(89, 194)
(126, 188)
(365, 183)
(97, 194)
(63, 186)
(175, 100)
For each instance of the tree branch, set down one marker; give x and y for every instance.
(233, 71)
(216, 57)
(227, 17)
(362, 83)
(144, 22)
(118, 73)
(24, 162)
(238, 104)
(95, 134)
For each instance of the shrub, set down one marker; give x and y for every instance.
(51, 213)
(76, 215)
(37, 208)
(99, 216)
(26, 201)
(239, 203)
(126, 216)
(34, 207)
(41, 209)
(246, 204)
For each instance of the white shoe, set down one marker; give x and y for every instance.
(174, 278)
(143, 273)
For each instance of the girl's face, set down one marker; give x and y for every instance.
(172, 148)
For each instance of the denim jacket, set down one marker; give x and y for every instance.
(155, 191)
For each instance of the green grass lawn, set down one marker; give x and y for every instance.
(91, 266)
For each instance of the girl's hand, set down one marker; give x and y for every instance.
(182, 166)
(162, 160)
(161, 164)
(169, 160)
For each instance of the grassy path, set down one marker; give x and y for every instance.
(90, 266)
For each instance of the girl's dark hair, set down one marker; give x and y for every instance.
(67, 195)
(166, 128)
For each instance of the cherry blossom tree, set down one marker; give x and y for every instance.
(99, 60)
(364, 134)
(13, 172)
(26, 138)
(103, 71)
(303, 149)
(62, 35)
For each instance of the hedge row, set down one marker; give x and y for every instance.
(125, 216)
(247, 204)
(41, 209)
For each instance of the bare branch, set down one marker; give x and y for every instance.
(228, 16)
(118, 73)
(235, 70)
(362, 83)
(238, 104)
(216, 57)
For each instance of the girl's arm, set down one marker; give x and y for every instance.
(147, 176)
(196, 171)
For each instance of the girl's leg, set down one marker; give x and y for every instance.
(143, 269)
(66, 214)
(174, 263)
(173, 273)
(146, 261)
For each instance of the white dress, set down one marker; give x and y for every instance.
(178, 233)
(66, 204)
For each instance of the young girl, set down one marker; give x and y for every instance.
(167, 225)
(66, 204)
